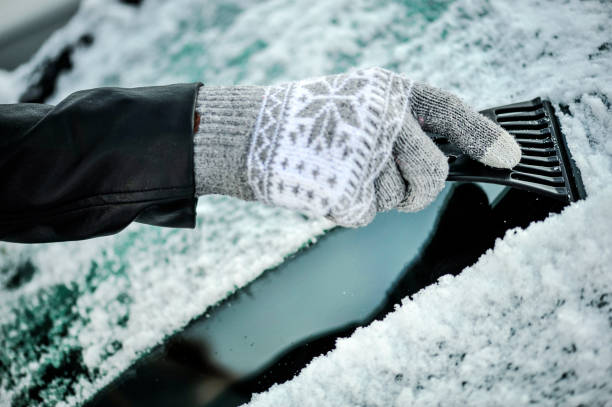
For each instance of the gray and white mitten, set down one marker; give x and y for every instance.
(341, 146)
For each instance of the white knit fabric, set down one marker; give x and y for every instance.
(319, 144)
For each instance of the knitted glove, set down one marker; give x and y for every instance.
(341, 146)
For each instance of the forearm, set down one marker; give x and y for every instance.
(342, 146)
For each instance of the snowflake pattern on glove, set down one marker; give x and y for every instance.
(319, 144)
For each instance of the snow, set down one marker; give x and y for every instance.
(520, 326)
(118, 296)
(529, 322)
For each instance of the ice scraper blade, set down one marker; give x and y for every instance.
(546, 165)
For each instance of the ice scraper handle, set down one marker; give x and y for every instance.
(463, 168)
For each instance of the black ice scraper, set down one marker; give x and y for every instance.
(546, 166)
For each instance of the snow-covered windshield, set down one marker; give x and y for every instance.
(530, 321)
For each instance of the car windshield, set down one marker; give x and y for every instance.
(268, 331)
(212, 316)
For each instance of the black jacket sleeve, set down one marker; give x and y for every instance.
(97, 161)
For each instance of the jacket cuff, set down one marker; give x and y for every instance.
(180, 212)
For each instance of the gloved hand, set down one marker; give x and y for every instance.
(341, 146)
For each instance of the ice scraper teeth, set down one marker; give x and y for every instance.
(546, 165)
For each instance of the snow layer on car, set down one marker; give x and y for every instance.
(81, 312)
(89, 309)
(519, 327)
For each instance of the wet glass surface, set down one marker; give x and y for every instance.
(268, 331)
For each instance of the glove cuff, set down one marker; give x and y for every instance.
(222, 141)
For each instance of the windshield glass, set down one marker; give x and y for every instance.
(268, 331)
(101, 319)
